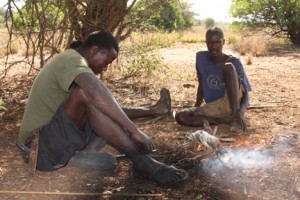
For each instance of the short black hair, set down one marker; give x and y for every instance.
(214, 31)
(75, 44)
(102, 39)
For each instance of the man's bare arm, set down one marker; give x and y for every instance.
(244, 102)
(239, 117)
(101, 98)
(199, 95)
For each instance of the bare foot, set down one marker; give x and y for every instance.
(150, 169)
(163, 105)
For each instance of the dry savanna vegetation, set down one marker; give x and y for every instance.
(262, 163)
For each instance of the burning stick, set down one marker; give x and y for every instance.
(208, 140)
(207, 137)
(220, 155)
(213, 143)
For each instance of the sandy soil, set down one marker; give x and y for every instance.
(263, 162)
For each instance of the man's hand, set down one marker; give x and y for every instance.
(239, 122)
(199, 95)
(143, 141)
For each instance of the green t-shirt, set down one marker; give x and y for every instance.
(50, 88)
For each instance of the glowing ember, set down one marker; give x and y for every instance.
(199, 147)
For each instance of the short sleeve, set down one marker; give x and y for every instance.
(73, 67)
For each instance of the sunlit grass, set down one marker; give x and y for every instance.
(155, 39)
(256, 45)
(6, 49)
(194, 35)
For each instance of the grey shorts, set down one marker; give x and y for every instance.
(59, 140)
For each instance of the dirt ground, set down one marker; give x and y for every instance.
(264, 160)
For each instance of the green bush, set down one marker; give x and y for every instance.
(143, 59)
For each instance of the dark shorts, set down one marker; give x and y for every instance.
(59, 140)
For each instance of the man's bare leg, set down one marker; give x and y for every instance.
(232, 86)
(187, 117)
(162, 107)
(78, 108)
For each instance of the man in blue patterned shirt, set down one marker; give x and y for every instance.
(223, 85)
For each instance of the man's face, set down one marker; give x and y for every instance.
(101, 58)
(215, 44)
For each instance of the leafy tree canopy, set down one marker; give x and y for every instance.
(173, 15)
(51, 25)
(277, 17)
(209, 22)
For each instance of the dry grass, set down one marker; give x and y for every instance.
(250, 46)
(194, 35)
(157, 39)
(12, 48)
(256, 45)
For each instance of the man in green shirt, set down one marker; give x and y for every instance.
(75, 111)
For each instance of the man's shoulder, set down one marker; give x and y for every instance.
(64, 57)
(202, 55)
(71, 54)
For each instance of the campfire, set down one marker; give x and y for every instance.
(204, 148)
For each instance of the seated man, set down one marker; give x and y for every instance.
(223, 85)
(75, 111)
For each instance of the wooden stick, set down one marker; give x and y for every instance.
(251, 105)
(152, 121)
(267, 104)
(34, 152)
(78, 193)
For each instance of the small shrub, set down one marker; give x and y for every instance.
(141, 58)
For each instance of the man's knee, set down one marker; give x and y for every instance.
(180, 118)
(229, 68)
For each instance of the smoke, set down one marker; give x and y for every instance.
(260, 173)
(237, 159)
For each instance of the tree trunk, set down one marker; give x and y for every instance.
(295, 37)
(97, 15)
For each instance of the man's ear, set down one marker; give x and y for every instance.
(223, 41)
(95, 49)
